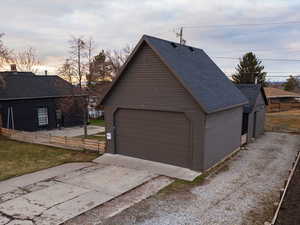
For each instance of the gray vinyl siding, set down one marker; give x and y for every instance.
(260, 109)
(222, 135)
(147, 84)
(250, 126)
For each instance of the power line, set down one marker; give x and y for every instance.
(257, 50)
(230, 74)
(266, 59)
(241, 24)
(266, 76)
(269, 72)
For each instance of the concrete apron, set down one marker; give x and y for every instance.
(150, 166)
(65, 196)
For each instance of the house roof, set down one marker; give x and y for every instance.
(279, 93)
(198, 74)
(251, 91)
(20, 85)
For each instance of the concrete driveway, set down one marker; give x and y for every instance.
(55, 195)
(73, 131)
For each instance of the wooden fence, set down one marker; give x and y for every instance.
(68, 142)
(279, 107)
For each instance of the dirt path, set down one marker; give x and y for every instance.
(289, 213)
(242, 193)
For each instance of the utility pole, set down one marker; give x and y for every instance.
(180, 35)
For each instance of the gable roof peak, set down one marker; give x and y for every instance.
(197, 73)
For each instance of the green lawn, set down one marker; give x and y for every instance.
(97, 122)
(99, 136)
(18, 158)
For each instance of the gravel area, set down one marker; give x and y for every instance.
(242, 192)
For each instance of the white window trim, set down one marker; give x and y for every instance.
(42, 114)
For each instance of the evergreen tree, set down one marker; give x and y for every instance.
(100, 69)
(291, 84)
(250, 71)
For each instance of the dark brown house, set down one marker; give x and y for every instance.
(172, 104)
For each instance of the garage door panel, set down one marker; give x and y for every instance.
(153, 135)
(165, 144)
(130, 122)
(157, 144)
(166, 155)
(144, 135)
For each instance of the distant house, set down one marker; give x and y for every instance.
(254, 111)
(30, 102)
(172, 104)
(276, 95)
(96, 93)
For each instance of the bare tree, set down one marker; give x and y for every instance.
(91, 46)
(26, 60)
(78, 55)
(66, 71)
(5, 56)
(74, 69)
(118, 57)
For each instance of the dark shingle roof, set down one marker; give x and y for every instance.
(251, 91)
(20, 85)
(209, 86)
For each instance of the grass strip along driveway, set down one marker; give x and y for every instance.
(97, 122)
(18, 158)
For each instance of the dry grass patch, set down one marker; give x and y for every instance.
(18, 158)
(288, 121)
(264, 212)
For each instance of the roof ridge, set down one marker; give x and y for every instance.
(178, 44)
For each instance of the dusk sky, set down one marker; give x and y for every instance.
(47, 26)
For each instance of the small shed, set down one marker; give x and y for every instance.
(254, 111)
(171, 103)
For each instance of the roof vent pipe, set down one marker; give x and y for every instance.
(13, 67)
(191, 49)
(174, 45)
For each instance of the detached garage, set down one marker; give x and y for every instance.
(172, 104)
(254, 111)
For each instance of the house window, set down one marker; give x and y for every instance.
(43, 116)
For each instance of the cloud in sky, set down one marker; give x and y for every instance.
(47, 26)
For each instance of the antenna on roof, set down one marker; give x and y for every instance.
(180, 35)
